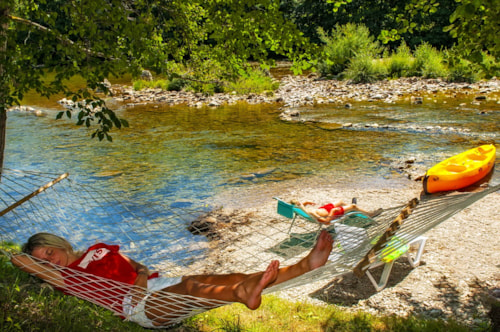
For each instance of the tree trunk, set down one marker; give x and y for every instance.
(5, 7)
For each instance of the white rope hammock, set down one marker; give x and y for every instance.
(158, 236)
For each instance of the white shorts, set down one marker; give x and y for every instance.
(137, 313)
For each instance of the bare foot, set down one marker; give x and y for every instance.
(249, 291)
(321, 251)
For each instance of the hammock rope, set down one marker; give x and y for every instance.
(157, 235)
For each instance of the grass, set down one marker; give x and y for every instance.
(365, 69)
(254, 81)
(143, 84)
(277, 314)
(251, 81)
(26, 304)
(401, 62)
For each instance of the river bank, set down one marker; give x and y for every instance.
(297, 91)
(300, 91)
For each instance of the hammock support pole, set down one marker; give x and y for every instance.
(370, 257)
(33, 194)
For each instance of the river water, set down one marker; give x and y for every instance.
(183, 156)
(190, 154)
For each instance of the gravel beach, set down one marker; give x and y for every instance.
(460, 273)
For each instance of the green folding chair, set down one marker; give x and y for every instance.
(291, 211)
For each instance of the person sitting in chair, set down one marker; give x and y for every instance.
(331, 211)
(53, 259)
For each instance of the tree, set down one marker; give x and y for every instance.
(475, 23)
(57, 37)
(99, 38)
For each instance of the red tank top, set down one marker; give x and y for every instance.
(104, 261)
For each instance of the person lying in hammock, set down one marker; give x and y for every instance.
(53, 259)
(331, 211)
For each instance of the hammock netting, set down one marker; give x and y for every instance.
(166, 239)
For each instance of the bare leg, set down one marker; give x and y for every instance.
(354, 207)
(219, 279)
(161, 309)
(316, 258)
(339, 203)
(246, 290)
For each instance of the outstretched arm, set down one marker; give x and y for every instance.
(141, 270)
(41, 269)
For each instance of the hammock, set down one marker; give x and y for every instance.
(158, 235)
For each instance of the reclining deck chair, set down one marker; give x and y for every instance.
(350, 233)
(392, 250)
(389, 247)
(292, 211)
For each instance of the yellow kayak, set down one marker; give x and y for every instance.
(461, 170)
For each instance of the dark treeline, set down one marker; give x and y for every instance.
(381, 17)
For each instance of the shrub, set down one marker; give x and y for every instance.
(364, 69)
(401, 62)
(176, 84)
(429, 62)
(490, 65)
(463, 70)
(344, 43)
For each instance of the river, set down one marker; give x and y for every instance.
(189, 154)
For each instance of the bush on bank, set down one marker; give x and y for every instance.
(348, 52)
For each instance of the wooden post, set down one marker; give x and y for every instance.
(370, 257)
(33, 194)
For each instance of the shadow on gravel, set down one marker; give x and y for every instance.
(475, 304)
(348, 289)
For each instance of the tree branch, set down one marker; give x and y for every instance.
(61, 38)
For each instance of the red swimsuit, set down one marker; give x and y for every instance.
(330, 206)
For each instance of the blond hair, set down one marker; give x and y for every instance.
(46, 240)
